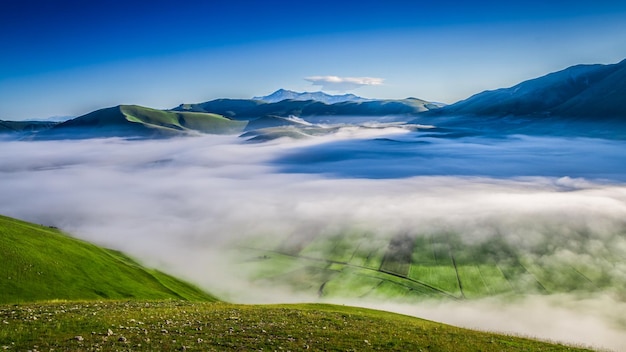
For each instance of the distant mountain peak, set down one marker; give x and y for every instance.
(284, 94)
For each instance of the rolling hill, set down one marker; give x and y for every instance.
(251, 109)
(594, 92)
(40, 263)
(138, 121)
(221, 116)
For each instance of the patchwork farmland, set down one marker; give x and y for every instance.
(413, 267)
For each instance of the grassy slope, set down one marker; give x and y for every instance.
(138, 121)
(41, 263)
(176, 325)
(182, 121)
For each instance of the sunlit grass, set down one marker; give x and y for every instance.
(41, 263)
(182, 121)
(178, 325)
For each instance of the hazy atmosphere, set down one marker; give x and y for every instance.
(455, 161)
(178, 203)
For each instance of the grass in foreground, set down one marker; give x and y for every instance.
(179, 325)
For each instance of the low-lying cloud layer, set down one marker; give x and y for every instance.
(341, 84)
(419, 154)
(177, 203)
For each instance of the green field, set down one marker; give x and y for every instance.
(41, 263)
(414, 267)
(194, 326)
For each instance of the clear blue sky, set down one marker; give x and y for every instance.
(68, 57)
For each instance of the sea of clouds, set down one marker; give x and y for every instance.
(177, 203)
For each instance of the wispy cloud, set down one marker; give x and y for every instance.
(336, 83)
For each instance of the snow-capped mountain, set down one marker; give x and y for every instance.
(284, 94)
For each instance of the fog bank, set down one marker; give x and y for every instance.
(177, 204)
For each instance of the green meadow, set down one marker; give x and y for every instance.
(416, 267)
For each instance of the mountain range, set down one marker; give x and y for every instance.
(283, 94)
(576, 96)
(220, 116)
(251, 109)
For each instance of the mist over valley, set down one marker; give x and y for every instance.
(505, 221)
(360, 216)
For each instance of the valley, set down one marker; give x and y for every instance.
(495, 204)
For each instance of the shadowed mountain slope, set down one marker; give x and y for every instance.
(25, 126)
(250, 109)
(582, 91)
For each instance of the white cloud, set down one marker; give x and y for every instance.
(336, 83)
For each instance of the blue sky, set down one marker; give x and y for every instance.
(66, 58)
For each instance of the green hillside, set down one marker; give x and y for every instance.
(362, 265)
(41, 263)
(182, 121)
(193, 326)
(139, 121)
